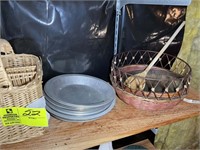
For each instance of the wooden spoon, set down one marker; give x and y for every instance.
(138, 80)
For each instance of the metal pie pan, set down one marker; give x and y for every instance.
(77, 108)
(68, 120)
(77, 90)
(76, 112)
(74, 118)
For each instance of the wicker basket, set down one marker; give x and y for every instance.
(20, 84)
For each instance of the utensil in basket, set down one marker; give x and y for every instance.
(139, 83)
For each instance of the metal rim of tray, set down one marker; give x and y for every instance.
(70, 108)
(80, 112)
(85, 118)
(59, 100)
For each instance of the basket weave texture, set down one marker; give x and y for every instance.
(20, 84)
(166, 84)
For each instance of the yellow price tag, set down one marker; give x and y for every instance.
(10, 116)
(24, 116)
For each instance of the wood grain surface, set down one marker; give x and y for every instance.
(122, 121)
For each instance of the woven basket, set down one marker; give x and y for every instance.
(166, 84)
(20, 84)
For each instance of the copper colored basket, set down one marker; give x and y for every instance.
(166, 84)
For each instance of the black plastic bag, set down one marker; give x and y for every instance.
(148, 27)
(78, 36)
(70, 37)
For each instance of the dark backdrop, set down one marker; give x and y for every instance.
(77, 36)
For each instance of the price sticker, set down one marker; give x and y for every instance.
(10, 116)
(25, 116)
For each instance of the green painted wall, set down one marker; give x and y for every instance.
(186, 134)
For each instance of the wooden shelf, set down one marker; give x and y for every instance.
(121, 122)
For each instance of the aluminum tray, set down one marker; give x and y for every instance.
(74, 108)
(80, 112)
(80, 91)
(76, 118)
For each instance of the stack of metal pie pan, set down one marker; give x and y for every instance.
(78, 98)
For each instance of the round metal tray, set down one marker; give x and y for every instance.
(64, 109)
(74, 108)
(81, 91)
(77, 118)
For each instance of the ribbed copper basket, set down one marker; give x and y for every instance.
(166, 84)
